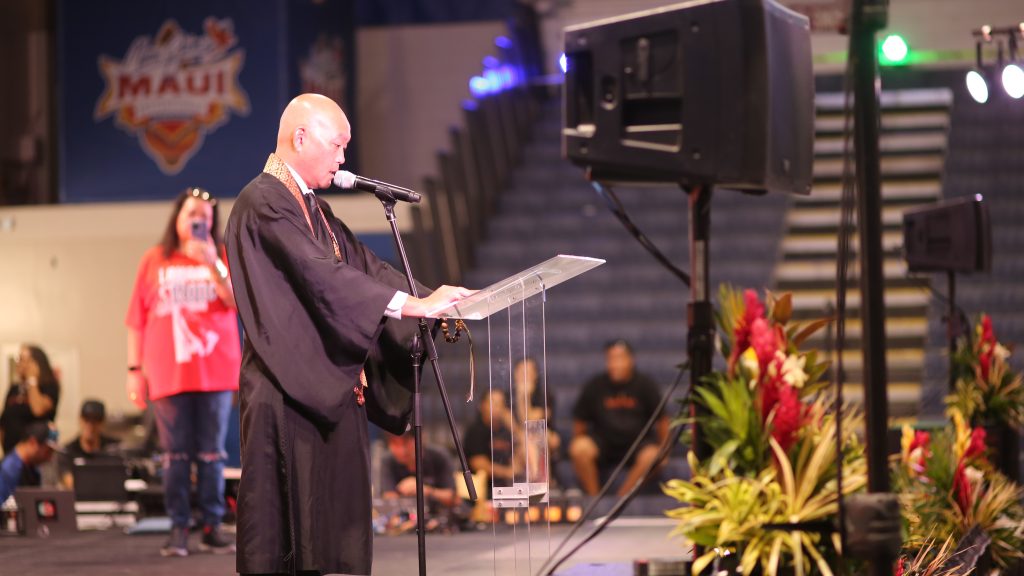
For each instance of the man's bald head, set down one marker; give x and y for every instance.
(312, 137)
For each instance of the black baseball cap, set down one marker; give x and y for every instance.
(93, 411)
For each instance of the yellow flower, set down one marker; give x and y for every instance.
(750, 365)
(963, 433)
(906, 439)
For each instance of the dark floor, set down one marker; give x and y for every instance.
(111, 552)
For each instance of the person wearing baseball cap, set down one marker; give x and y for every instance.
(90, 444)
(36, 447)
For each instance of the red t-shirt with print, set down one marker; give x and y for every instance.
(189, 336)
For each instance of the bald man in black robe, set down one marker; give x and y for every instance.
(318, 307)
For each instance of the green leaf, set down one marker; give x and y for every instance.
(703, 562)
(720, 459)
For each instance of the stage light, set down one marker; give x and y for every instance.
(894, 50)
(554, 514)
(493, 78)
(479, 86)
(491, 62)
(573, 512)
(977, 86)
(563, 62)
(503, 42)
(1013, 81)
(534, 514)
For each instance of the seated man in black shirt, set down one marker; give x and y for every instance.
(610, 412)
(90, 444)
(398, 478)
(476, 440)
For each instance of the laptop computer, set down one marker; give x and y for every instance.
(100, 480)
(44, 511)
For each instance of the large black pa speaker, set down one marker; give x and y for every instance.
(951, 236)
(716, 92)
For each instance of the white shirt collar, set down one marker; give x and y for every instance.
(298, 180)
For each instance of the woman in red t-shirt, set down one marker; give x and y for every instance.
(184, 355)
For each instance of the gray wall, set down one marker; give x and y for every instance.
(412, 80)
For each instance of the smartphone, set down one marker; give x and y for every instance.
(199, 230)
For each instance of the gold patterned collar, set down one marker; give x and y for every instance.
(278, 169)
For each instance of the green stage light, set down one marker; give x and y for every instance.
(894, 50)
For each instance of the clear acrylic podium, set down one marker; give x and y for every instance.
(514, 309)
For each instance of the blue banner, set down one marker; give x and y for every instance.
(157, 96)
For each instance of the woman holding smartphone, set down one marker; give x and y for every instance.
(184, 357)
(33, 395)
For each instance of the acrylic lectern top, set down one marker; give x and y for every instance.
(518, 287)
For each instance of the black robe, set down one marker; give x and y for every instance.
(311, 323)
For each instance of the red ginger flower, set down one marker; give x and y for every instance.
(922, 440)
(977, 444)
(765, 342)
(770, 390)
(782, 398)
(962, 488)
(752, 310)
(788, 417)
(987, 333)
(986, 346)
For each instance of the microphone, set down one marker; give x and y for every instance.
(383, 190)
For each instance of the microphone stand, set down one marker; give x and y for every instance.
(419, 340)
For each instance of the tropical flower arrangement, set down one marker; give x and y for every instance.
(773, 472)
(947, 487)
(986, 389)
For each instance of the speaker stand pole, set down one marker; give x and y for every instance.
(700, 317)
(952, 325)
(700, 336)
(425, 338)
(867, 17)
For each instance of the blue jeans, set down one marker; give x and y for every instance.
(192, 428)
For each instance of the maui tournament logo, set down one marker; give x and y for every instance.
(173, 89)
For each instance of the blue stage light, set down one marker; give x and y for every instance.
(479, 86)
(563, 62)
(493, 78)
